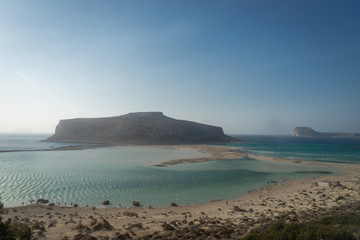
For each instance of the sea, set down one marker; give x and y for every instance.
(123, 174)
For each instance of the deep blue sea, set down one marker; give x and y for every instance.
(124, 174)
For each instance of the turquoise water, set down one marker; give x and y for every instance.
(28, 141)
(124, 174)
(345, 150)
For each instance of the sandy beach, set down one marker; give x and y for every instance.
(226, 218)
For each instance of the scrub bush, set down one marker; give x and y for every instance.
(330, 228)
(10, 230)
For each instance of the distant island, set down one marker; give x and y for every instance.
(308, 132)
(141, 128)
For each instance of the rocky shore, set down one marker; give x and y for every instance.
(222, 219)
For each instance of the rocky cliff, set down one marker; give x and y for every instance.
(142, 128)
(308, 132)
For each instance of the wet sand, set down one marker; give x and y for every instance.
(212, 153)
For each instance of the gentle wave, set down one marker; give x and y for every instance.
(121, 175)
(121, 182)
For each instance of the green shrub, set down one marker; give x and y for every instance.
(10, 230)
(349, 219)
(14, 230)
(1, 207)
(297, 231)
(38, 226)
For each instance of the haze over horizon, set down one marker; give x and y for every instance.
(251, 67)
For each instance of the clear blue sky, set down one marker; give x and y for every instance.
(250, 66)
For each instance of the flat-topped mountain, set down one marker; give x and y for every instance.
(142, 128)
(308, 132)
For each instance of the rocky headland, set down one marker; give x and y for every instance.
(141, 128)
(309, 132)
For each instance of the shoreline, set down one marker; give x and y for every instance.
(291, 197)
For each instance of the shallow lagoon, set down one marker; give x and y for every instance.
(124, 174)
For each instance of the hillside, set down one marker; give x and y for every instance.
(308, 132)
(141, 128)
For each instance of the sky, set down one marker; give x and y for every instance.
(249, 66)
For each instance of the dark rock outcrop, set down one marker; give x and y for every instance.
(142, 128)
(308, 132)
(44, 201)
(305, 132)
